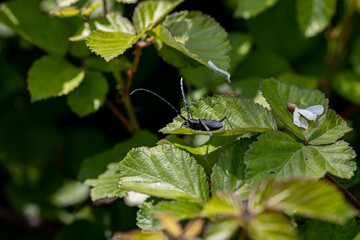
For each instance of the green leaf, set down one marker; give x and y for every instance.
(207, 154)
(277, 155)
(90, 95)
(179, 209)
(148, 13)
(164, 171)
(66, 12)
(309, 198)
(223, 203)
(222, 230)
(115, 23)
(271, 226)
(251, 8)
(127, 1)
(51, 77)
(278, 94)
(93, 166)
(327, 128)
(186, 30)
(323, 230)
(105, 186)
(314, 16)
(355, 54)
(229, 171)
(110, 44)
(145, 218)
(25, 18)
(244, 115)
(347, 84)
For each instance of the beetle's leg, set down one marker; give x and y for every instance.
(206, 127)
(222, 119)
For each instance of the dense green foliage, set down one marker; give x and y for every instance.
(78, 152)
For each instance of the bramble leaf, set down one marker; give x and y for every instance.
(105, 186)
(309, 198)
(223, 203)
(90, 95)
(51, 77)
(279, 156)
(313, 16)
(244, 115)
(179, 209)
(110, 44)
(271, 226)
(325, 129)
(229, 171)
(207, 154)
(164, 171)
(148, 13)
(197, 36)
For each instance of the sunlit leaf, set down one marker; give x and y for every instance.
(272, 226)
(66, 12)
(223, 229)
(110, 44)
(148, 13)
(197, 36)
(22, 16)
(164, 171)
(229, 171)
(244, 115)
(51, 77)
(279, 156)
(93, 166)
(90, 95)
(313, 16)
(115, 23)
(309, 198)
(251, 8)
(223, 203)
(105, 186)
(87, 11)
(207, 154)
(127, 1)
(179, 209)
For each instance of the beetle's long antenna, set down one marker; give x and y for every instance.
(143, 89)
(183, 94)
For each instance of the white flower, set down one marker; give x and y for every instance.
(309, 113)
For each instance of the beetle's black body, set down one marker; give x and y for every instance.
(196, 124)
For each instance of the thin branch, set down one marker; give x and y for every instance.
(119, 115)
(348, 195)
(104, 7)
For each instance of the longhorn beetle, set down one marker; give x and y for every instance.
(196, 124)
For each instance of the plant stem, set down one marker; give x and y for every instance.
(243, 233)
(119, 116)
(104, 7)
(348, 195)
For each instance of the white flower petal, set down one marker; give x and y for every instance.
(213, 66)
(317, 109)
(296, 117)
(307, 114)
(303, 123)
